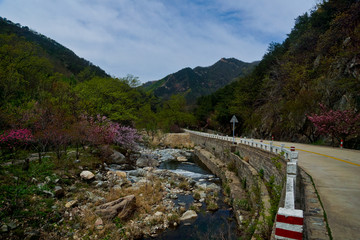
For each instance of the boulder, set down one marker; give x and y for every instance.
(99, 224)
(147, 162)
(117, 158)
(120, 174)
(4, 228)
(189, 214)
(138, 173)
(122, 208)
(87, 175)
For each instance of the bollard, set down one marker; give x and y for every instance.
(293, 155)
(341, 144)
(282, 147)
(289, 224)
(272, 138)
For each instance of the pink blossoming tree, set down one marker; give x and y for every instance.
(13, 139)
(338, 124)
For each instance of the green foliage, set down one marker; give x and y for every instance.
(243, 204)
(200, 81)
(173, 113)
(243, 183)
(231, 167)
(18, 190)
(261, 173)
(312, 65)
(277, 162)
(63, 59)
(110, 97)
(227, 190)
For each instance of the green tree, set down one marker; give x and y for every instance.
(173, 113)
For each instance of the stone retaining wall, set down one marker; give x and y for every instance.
(252, 161)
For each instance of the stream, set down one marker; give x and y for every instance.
(219, 224)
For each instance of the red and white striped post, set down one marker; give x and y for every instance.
(272, 138)
(289, 224)
(341, 143)
(292, 148)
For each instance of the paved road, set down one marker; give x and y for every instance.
(336, 173)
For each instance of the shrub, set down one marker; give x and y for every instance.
(231, 167)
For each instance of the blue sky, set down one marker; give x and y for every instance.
(153, 38)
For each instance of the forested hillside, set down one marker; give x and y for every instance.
(193, 83)
(318, 63)
(63, 59)
(59, 115)
(41, 79)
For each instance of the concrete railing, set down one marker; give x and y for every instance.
(289, 221)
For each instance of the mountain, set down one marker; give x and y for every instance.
(63, 59)
(318, 63)
(199, 81)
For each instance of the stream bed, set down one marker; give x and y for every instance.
(218, 224)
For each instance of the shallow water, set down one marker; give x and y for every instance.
(220, 224)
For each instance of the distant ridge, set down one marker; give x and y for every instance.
(64, 60)
(199, 81)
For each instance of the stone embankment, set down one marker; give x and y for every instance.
(262, 176)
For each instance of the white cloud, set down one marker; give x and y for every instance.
(153, 38)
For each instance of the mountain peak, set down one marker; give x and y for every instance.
(200, 80)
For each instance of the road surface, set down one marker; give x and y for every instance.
(336, 174)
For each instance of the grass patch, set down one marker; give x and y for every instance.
(231, 167)
(243, 204)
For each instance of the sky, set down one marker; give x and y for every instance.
(150, 39)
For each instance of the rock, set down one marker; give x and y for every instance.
(182, 159)
(121, 174)
(4, 228)
(94, 198)
(116, 188)
(147, 162)
(50, 194)
(99, 224)
(189, 214)
(12, 225)
(124, 166)
(137, 173)
(47, 179)
(33, 235)
(213, 187)
(59, 192)
(121, 208)
(87, 175)
(173, 196)
(100, 184)
(117, 158)
(182, 209)
(99, 176)
(158, 214)
(71, 203)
